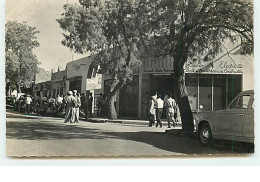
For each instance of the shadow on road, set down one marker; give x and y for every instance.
(180, 144)
(45, 131)
(53, 131)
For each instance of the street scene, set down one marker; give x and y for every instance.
(48, 136)
(139, 78)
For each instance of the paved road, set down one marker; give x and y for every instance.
(48, 136)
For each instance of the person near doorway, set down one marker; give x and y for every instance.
(159, 109)
(171, 107)
(166, 96)
(99, 104)
(83, 102)
(70, 105)
(90, 103)
(151, 109)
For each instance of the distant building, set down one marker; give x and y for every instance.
(78, 75)
(58, 83)
(42, 89)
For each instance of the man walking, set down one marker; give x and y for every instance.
(159, 109)
(70, 111)
(77, 105)
(151, 109)
(171, 105)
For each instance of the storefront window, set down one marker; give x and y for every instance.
(234, 86)
(219, 92)
(128, 99)
(205, 92)
(191, 82)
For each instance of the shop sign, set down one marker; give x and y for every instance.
(160, 65)
(221, 67)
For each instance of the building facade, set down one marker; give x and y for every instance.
(78, 75)
(58, 83)
(210, 84)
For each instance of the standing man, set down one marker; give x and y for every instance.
(77, 105)
(159, 109)
(151, 109)
(28, 103)
(99, 104)
(70, 111)
(83, 102)
(90, 103)
(171, 107)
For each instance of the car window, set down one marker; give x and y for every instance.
(240, 102)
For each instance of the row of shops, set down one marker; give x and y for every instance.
(78, 75)
(210, 84)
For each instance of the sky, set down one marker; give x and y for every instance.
(42, 14)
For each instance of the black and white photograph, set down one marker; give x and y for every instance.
(129, 78)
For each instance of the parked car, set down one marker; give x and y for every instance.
(236, 123)
(10, 102)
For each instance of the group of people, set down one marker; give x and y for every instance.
(74, 104)
(70, 105)
(156, 107)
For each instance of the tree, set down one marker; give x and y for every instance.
(192, 30)
(110, 30)
(21, 64)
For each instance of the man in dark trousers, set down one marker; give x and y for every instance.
(90, 103)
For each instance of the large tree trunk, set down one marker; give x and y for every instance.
(112, 114)
(115, 87)
(180, 93)
(183, 103)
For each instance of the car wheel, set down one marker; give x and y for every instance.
(205, 135)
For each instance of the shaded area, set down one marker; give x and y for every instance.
(184, 145)
(50, 131)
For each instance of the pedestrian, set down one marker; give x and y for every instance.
(151, 109)
(83, 102)
(70, 111)
(59, 101)
(28, 104)
(171, 107)
(77, 105)
(159, 109)
(99, 104)
(90, 103)
(166, 96)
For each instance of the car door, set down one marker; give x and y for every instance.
(233, 117)
(248, 128)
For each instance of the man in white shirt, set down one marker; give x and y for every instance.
(28, 102)
(159, 109)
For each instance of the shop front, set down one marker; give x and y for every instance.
(211, 85)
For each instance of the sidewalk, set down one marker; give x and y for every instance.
(126, 121)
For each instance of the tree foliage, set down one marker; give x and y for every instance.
(21, 63)
(194, 30)
(111, 31)
(197, 28)
(123, 32)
